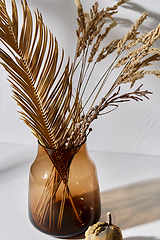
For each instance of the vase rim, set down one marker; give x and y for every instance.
(62, 149)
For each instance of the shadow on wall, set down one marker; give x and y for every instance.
(139, 9)
(132, 205)
(68, 11)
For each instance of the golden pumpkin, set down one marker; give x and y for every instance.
(104, 231)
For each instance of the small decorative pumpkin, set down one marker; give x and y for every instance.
(104, 231)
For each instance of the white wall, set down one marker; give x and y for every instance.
(134, 127)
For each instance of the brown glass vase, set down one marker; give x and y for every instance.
(63, 205)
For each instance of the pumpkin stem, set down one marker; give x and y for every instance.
(109, 218)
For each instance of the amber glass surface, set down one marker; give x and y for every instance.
(74, 206)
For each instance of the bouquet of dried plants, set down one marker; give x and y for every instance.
(43, 87)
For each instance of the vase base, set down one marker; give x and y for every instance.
(62, 234)
(70, 225)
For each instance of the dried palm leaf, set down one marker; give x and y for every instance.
(33, 71)
(44, 95)
(34, 75)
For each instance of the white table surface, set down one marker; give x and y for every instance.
(129, 185)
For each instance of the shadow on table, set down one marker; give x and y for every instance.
(141, 238)
(132, 205)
